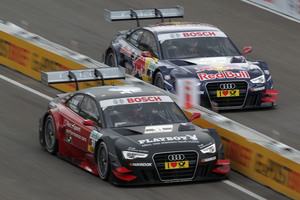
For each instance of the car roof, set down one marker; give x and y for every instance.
(172, 27)
(121, 91)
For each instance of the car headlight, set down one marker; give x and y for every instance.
(260, 79)
(209, 149)
(130, 155)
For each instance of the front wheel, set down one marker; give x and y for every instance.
(111, 59)
(159, 81)
(51, 142)
(103, 161)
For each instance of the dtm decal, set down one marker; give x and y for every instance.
(223, 75)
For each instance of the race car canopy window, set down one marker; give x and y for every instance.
(141, 111)
(74, 102)
(195, 46)
(89, 109)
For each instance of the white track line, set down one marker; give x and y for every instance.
(272, 11)
(244, 190)
(25, 87)
(50, 98)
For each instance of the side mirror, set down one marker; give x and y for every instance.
(247, 50)
(195, 116)
(88, 122)
(147, 54)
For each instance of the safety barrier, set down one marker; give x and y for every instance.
(289, 8)
(251, 153)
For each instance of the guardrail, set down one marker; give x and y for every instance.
(289, 8)
(251, 153)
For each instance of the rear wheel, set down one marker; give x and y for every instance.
(159, 81)
(111, 59)
(51, 142)
(103, 161)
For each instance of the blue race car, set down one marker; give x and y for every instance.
(163, 53)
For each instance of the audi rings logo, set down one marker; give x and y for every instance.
(176, 157)
(227, 86)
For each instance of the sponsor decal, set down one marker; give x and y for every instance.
(167, 77)
(71, 125)
(237, 153)
(258, 89)
(200, 34)
(126, 90)
(95, 135)
(140, 164)
(219, 68)
(158, 129)
(144, 99)
(223, 75)
(177, 164)
(139, 67)
(168, 140)
(228, 93)
(209, 159)
(267, 72)
(71, 129)
(135, 100)
(177, 35)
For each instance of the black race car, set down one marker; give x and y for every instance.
(165, 53)
(128, 134)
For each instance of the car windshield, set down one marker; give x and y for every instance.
(197, 47)
(139, 114)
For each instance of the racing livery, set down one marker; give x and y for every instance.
(163, 53)
(129, 135)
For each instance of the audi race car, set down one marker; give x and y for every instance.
(164, 53)
(128, 134)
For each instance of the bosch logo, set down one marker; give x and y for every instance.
(227, 86)
(176, 157)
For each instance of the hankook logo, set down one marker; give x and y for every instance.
(176, 157)
(227, 86)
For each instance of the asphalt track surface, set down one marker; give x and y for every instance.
(27, 172)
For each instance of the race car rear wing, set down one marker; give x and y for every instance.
(80, 75)
(154, 13)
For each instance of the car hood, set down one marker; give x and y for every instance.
(155, 138)
(216, 68)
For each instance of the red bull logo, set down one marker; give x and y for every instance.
(223, 75)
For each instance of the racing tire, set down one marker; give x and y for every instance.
(103, 161)
(111, 59)
(51, 143)
(159, 80)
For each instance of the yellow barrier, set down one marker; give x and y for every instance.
(31, 60)
(248, 158)
(258, 162)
